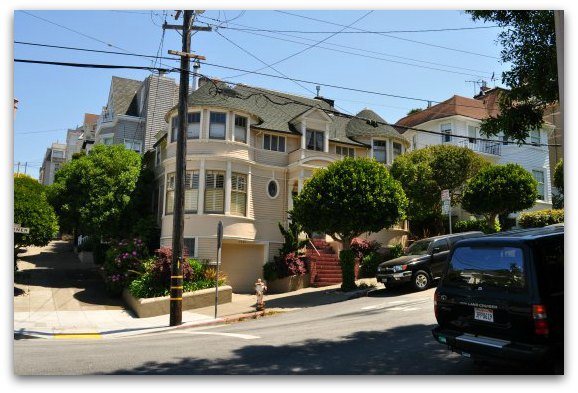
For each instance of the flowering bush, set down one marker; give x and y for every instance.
(362, 247)
(290, 265)
(161, 268)
(123, 262)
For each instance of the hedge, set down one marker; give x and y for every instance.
(541, 218)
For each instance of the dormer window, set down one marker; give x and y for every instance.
(315, 140)
(217, 125)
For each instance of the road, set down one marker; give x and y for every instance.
(385, 333)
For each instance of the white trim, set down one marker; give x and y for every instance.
(228, 189)
(201, 199)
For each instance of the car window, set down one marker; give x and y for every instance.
(550, 265)
(419, 248)
(442, 244)
(498, 267)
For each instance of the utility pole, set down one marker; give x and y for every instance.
(18, 170)
(25, 166)
(176, 297)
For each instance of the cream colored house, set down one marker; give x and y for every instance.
(249, 151)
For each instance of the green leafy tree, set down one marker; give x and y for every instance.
(528, 42)
(346, 199)
(500, 189)
(424, 173)
(291, 243)
(414, 110)
(32, 210)
(92, 192)
(559, 176)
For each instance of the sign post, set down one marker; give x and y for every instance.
(219, 246)
(447, 206)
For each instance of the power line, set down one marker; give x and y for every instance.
(357, 49)
(41, 131)
(390, 36)
(361, 31)
(86, 65)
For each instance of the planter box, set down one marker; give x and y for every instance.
(86, 257)
(288, 284)
(155, 306)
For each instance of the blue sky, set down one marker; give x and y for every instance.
(53, 99)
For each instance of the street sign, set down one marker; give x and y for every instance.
(446, 207)
(445, 195)
(19, 229)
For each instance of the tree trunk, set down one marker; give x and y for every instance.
(347, 263)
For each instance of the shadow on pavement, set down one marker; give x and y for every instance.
(308, 299)
(405, 350)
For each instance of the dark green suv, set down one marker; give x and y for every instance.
(501, 298)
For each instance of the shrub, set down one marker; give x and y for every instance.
(363, 247)
(161, 268)
(541, 218)
(290, 265)
(395, 251)
(369, 264)
(123, 262)
(469, 225)
(270, 271)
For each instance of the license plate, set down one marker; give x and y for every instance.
(484, 314)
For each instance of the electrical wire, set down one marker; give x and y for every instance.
(86, 65)
(361, 32)
(344, 46)
(391, 36)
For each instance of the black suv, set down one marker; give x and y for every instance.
(502, 298)
(422, 262)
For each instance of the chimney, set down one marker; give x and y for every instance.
(327, 100)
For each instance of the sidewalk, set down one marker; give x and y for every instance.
(57, 296)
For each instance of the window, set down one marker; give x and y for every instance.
(193, 125)
(161, 201)
(170, 193)
(315, 140)
(441, 245)
(133, 144)
(217, 126)
(535, 137)
(446, 129)
(396, 150)
(109, 140)
(215, 192)
(174, 128)
(240, 132)
(472, 133)
(191, 191)
(189, 246)
(539, 176)
(380, 151)
(345, 151)
(272, 189)
(57, 154)
(157, 155)
(238, 194)
(274, 142)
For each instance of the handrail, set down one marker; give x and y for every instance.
(313, 245)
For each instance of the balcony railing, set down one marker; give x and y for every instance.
(486, 147)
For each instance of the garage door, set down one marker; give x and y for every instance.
(243, 265)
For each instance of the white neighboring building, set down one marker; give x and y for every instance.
(459, 119)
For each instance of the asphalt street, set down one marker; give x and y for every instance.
(384, 333)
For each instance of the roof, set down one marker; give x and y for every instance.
(123, 92)
(480, 108)
(276, 110)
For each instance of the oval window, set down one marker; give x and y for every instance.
(272, 189)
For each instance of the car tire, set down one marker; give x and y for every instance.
(420, 280)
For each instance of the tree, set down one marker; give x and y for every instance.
(32, 210)
(424, 173)
(91, 192)
(346, 199)
(529, 43)
(500, 189)
(558, 199)
(414, 110)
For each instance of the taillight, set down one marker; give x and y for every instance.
(540, 316)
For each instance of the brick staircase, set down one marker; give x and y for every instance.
(324, 268)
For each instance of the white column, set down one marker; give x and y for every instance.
(303, 134)
(300, 181)
(249, 194)
(326, 139)
(228, 189)
(201, 201)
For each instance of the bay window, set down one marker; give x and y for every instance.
(217, 125)
(170, 197)
(215, 192)
(240, 131)
(380, 151)
(191, 191)
(238, 194)
(539, 176)
(396, 150)
(193, 125)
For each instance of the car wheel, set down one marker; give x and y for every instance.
(420, 280)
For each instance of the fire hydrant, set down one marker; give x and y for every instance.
(260, 289)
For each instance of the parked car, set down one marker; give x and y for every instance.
(422, 262)
(501, 298)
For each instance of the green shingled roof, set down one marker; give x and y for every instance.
(124, 98)
(276, 110)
